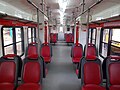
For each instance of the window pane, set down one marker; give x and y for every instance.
(29, 32)
(19, 48)
(104, 49)
(7, 36)
(29, 40)
(8, 50)
(105, 35)
(115, 43)
(116, 34)
(18, 34)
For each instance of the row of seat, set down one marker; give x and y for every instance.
(92, 76)
(53, 37)
(91, 70)
(69, 37)
(77, 52)
(45, 51)
(31, 69)
(31, 73)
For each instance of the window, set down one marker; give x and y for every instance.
(31, 34)
(92, 36)
(110, 42)
(12, 40)
(104, 42)
(115, 42)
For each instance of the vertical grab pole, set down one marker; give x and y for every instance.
(38, 23)
(38, 32)
(45, 38)
(87, 32)
(77, 32)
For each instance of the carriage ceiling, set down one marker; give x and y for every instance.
(61, 9)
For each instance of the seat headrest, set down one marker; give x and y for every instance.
(9, 56)
(90, 44)
(91, 57)
(115, 57)
(32, 43)
(33, 56)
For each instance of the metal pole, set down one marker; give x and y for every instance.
(83, 5)
(87, 32)
(38, 23)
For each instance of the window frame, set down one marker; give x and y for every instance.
(109, 41)
(14, 42)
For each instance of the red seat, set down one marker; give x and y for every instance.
(13, 57)
(91, 50)
(113, 72)
(53, 37)
(30, 86)
(8, 74)
(68, 38)
(32, 49)
(31, 75)
(32, 53)
(46, 52)
(91, 74)
(77, 53)
(92, 87)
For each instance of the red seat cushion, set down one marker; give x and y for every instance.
(6, 86)
(76, 60)
(92, 87)
(47, 59)
(29, 86)
(115, 87)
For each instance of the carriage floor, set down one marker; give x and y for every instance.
(61, 71)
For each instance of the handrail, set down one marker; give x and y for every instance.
(99, 1)
(30, 2)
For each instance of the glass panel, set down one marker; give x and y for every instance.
(105, 35)
(19, 48)
(29, 32)
(104, 49)
(115, 43)
(93, 36)
(7, 36)
(29, 40)
(18, 34)
(9, 50)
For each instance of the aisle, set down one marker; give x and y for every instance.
(61, 75)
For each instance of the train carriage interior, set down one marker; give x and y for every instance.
(59, 44)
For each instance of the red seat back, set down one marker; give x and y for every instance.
(113, 70)
(31, 49)
(68, 38)
(91, 71)
(46, 50)
(31, 72)
(77, 51)
(91, 50)
(13, 57)
(9, 70)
